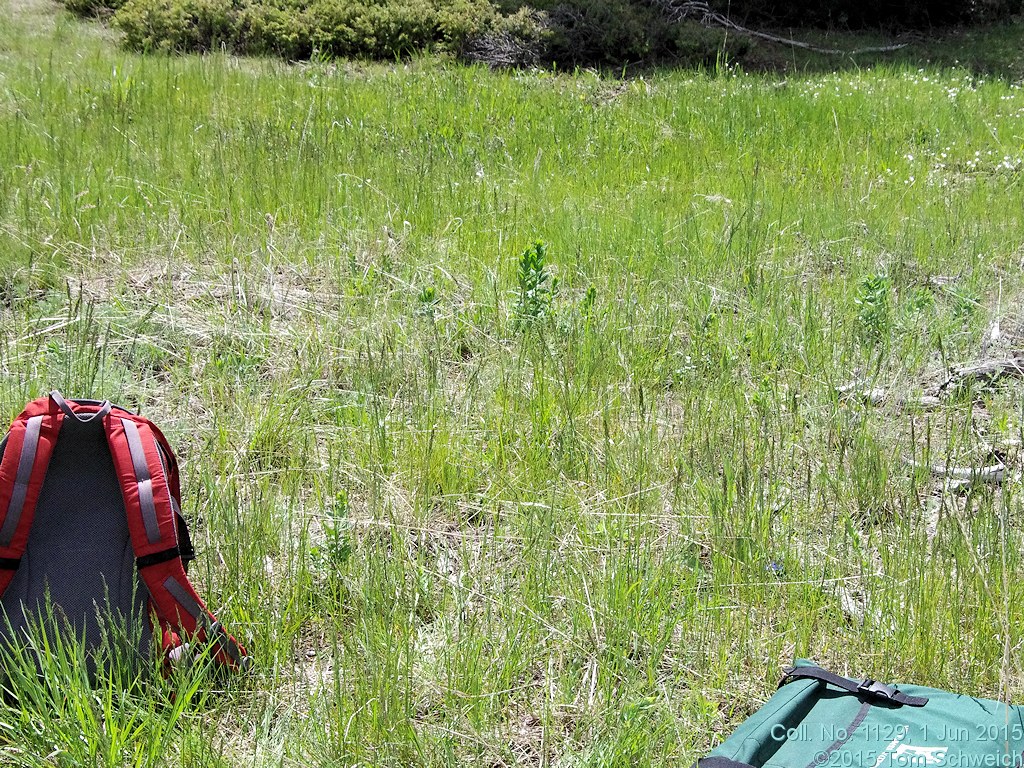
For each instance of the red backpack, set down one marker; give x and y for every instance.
(90, 521)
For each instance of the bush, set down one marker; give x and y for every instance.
(178, 25)
(601, 31)
(398, 28)
(296, 28)
(265, 28)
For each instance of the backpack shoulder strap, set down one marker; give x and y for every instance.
(29, 446)
(150, 493)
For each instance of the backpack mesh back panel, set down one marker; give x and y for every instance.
(79, 551)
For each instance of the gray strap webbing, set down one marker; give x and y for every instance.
(179, 593)
(214, 629)
(85, 418)
(143, 479)
(227, 643)
(25, 463)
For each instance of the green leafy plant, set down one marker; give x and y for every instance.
(537, 287)
(587, 305)
(337, 547)
(428, 302)
(873, 316)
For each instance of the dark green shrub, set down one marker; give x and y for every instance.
(266, 28)
(601, 31)
(340, 28)
(177, 25)
(395, 28)
(343, 28)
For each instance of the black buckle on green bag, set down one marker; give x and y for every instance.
(875, 688)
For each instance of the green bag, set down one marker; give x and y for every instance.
(818, 719)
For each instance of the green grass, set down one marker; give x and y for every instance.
(460, 523)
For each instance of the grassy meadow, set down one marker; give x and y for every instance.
(473, 502)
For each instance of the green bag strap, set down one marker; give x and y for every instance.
(865, 687)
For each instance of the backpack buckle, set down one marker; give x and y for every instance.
(875, 688)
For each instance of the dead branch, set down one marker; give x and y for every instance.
(878, 396)
(501, 50)
(994, 474)
(680, 10)
(984, 371)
